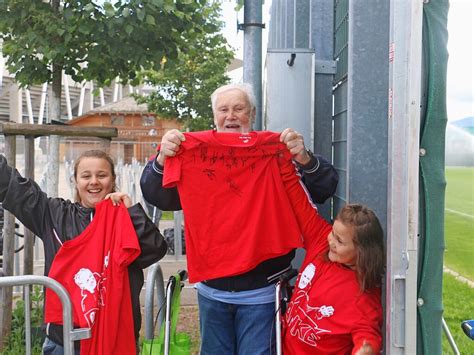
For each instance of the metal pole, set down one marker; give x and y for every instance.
(450, 338)
(278, 318)
(178, 245)
(169, 293)
(252, 27)
(26, 290)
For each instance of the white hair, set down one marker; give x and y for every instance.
(244, 87)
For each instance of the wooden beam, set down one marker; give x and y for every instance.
(36, 130)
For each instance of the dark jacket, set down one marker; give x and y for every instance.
(320, 179)
(41, 214)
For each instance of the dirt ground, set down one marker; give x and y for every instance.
(188, 322)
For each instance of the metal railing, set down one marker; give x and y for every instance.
(69, 333)
(154, 280)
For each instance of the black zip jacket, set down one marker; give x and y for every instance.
(41, 214)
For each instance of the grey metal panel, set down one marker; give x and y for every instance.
(367, 107)
(302, 23)
(290, 19)
(322, 38)
(289, 92)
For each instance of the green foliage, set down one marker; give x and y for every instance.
(97, 42)
(458, 301)
(184, 84)
(459, 221)
(15, 342)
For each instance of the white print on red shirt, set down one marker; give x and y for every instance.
(301, 317)
(92, 291)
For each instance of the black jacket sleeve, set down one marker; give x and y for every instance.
(319, 177)
(151, 183)
(152, 244)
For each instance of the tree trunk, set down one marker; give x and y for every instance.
(53, 146)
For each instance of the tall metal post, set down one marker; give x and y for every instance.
(406, 18)
(252, 27)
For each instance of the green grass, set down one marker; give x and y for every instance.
(458, 297)
(458, 302)
(460, 189)
(459, 221)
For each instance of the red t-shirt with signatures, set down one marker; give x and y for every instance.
(236, 210)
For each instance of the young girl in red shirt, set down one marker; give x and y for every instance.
(336, 305)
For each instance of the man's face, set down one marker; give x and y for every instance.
(232, 112)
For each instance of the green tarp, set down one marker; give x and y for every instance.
(432, 179)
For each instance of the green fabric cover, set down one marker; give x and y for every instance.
(432, 178)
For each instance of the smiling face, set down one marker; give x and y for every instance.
(233, 112)
(341, 244)
(94, 180)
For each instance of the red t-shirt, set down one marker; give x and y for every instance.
(93, 269)
(327, 313)
(236, 210)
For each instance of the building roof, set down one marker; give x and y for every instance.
(127, 105)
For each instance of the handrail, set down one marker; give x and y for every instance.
(154, 279)
(69, 333)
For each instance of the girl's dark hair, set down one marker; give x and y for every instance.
(93, 153)
(369, 243)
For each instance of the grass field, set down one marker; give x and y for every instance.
(459, 221)
(458, 297)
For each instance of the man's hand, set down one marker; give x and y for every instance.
(295, 144)
(117, 197)
(169, 145)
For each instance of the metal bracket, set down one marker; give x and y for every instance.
(242, 26)
(325, 66)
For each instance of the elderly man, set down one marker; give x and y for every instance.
(237, 313)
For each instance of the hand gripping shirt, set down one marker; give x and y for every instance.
(93, 269)
(327, 313)
(236, 210)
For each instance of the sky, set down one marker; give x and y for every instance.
(460, 97)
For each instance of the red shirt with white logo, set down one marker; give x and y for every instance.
(93, 269)
(327, 313)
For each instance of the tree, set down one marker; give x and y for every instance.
(184, 84)
(94, 41)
